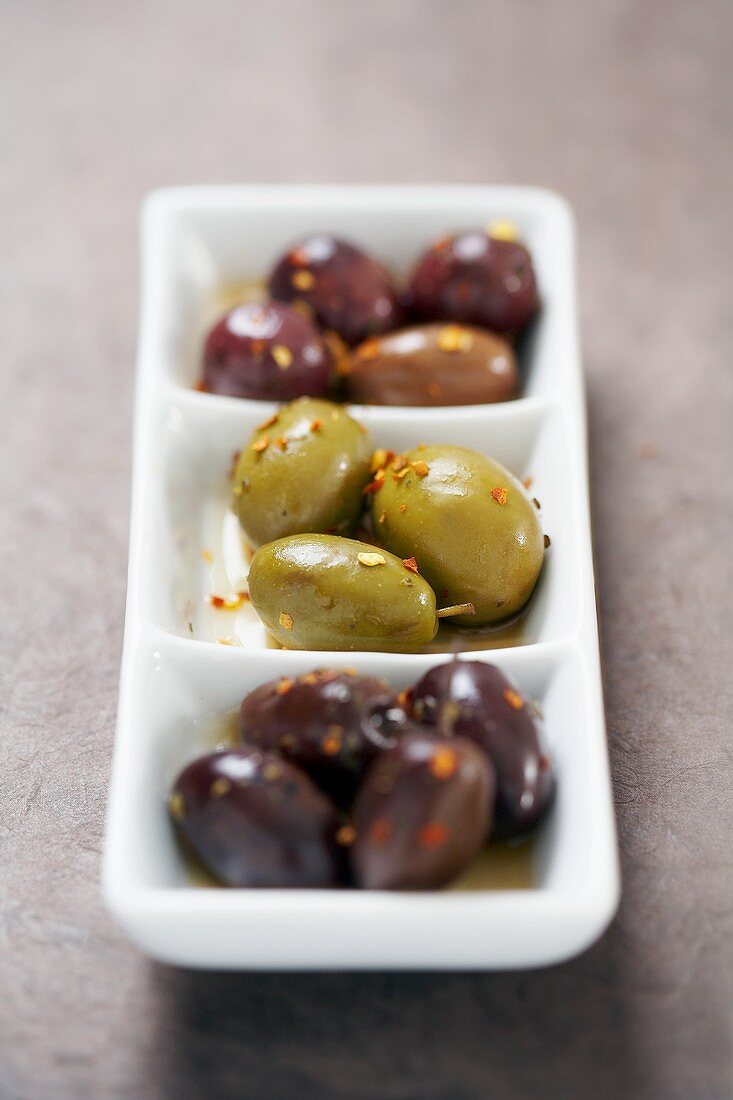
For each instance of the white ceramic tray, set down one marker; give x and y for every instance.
(175, 675)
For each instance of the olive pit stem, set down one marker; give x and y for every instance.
(456, 609)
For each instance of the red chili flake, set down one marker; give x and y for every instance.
(528, 482)
(222, 604)
(421, 468)
(281, 443)
(432, 834)
(299, 257)
(331, 744)
(316, 424)
(235, 460)
(411, 564)
(262, 444)
(370, 349)
(309, 678)
(403, 507)
(401, 473)
(372, 487)
(443, 764)
(380, 831)
(284, 686)
(399, 463)
(500, 494)
(513, 698)
(267, 423)
(405, 697)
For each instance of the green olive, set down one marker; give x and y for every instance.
(468, 522)
(303, 470)
(326, 592)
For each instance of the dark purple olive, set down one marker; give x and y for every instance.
(422, 812)
(475, 279)
(474, 699)
(268, 353)
(256, 820)
(330, 723)
(346, 290)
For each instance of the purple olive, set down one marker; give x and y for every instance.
(475, 279)
(346, 290)
(475, 700)
(256, 820)
(268, 353)
(330, 723)
(422, 813)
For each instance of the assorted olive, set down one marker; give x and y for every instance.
(268, 352)
(475, 289)
(452, 534)
(338, 780)
(435, 364)
(303, 470)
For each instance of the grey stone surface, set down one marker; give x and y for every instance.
(626, 108)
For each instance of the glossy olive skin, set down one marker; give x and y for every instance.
(267, 352)
(475, 279)
(422, 813)
(303, 470)
(331, 724)
(256, 820)
(475, 700)
(312, 592)
(468, 545)
(432, 365)
(346, 290)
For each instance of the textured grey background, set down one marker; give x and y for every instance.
(627, 109)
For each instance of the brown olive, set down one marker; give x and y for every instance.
(438, 364)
